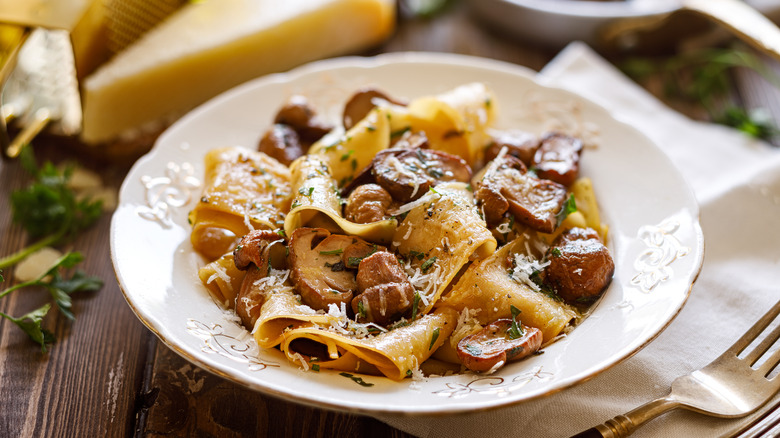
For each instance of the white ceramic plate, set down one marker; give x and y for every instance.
(655, 237)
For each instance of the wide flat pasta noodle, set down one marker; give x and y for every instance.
(350, 346)
(317, 204)
(347, 154)
(455, 122)
(487, 288)
(395, 353)
(442, 232)
(243, 190)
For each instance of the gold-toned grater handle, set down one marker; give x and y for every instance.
(12, 38)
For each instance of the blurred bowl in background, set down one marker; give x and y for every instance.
(555, 23)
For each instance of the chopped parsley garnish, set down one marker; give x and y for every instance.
(568, 208)
(346, 156)
(473, 350)
(416, 254)
(427, 264)
(435, 173)
(306, 191)
(338, 251)
(356, 379)
(415, 305)
(434, 337)
(361, 309)
(354, 261)
(516, 330)
(315, 367)
(295, 204)
(555, 252)
(335, 267)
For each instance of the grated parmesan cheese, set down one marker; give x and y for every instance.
(525, 266)
(221, 273)
(247, 221)
(399, 167)
(300, 358)
(425, 284)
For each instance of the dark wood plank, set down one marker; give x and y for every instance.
(189, 401)
(86, 384)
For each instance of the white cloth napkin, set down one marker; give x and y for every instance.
(737, 182)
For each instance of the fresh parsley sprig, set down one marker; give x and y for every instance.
(703, 77)
(48, 209)
(60, 288)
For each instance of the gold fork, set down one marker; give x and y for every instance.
(735, 384)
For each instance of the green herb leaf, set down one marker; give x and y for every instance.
(332, 252)
(427, 264)
(569, 207)
(473, 350)
(757, 123)
(416, 254)
(415, 305)
(515, 330)
(357, 379)
(306, 191)
(61, 289)
(31, 324)
(434, 337)
(353, 262)
(361, 309)
(335, 267)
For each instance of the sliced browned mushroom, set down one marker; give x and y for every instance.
(252, 249)
(301, 116)
(254, 254)
(558, 158)
(367, 203)
(534, 202)
(282, 143)
(385, 291)
(580, 266)
(494, 346)
(314, 252)
(410, 174)
(361, 103)
(519, 144)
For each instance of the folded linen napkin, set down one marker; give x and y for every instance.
(737, 183)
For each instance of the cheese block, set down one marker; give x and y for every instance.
(210, 46)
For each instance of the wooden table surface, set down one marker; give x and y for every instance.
(107, 375)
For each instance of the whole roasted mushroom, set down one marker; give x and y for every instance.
(581, 267)
(385, 293)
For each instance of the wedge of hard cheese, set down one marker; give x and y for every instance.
(210, 46)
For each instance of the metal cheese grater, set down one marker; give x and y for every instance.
(48, 46)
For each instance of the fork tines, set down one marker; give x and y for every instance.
(766, 343)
